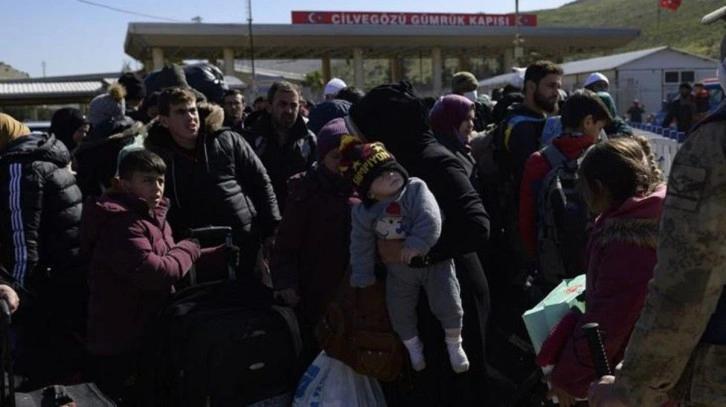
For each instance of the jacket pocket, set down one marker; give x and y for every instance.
(709, 376)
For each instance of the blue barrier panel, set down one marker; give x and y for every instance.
(681, 136)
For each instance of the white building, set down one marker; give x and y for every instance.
(649, 75)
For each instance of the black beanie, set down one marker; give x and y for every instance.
(134, 85)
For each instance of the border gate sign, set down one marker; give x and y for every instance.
(427, 19)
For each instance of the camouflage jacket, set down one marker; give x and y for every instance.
(665, 357)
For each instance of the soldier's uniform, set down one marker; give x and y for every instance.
(678, 347)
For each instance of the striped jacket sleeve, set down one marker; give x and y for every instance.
(21, 220)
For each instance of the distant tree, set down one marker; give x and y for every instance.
(315, 82)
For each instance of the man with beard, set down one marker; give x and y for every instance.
(524, 122)
(281, 138)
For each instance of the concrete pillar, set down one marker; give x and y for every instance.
(436, 70)
(358, 67)
(228, 56)
(396, 69)
(508, 60)
(327, 73)
(157, 57)
(464, 64)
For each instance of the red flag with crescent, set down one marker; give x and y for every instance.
(670, 4)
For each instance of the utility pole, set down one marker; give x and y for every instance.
(518, 52)
(252, 45)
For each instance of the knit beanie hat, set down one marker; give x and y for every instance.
(135, 87)
(329, 137)
(334, 86)
(595, 77)
(362, 163)
(463, 82)
(107, 106)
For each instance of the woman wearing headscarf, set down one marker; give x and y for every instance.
(396, 116)
(452, 121)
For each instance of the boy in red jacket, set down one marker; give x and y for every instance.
(134, 263)
(583, 116)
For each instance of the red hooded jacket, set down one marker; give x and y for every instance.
(621, 259)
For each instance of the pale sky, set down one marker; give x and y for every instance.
(74, 37)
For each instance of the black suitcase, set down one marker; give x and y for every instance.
(81, 395)
(222, 344)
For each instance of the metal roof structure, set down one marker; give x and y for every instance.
(289, 41)
(590, 65)
(29, 93)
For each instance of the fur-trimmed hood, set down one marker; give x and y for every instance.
(639, 232)
(635, 221)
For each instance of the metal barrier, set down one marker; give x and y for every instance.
(665, 142)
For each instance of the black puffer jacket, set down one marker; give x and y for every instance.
(395, 116)
(222, 183)
(282, 162)
(40, 214)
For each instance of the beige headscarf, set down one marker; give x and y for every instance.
(10, 129)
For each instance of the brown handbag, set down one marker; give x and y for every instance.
(356, 330)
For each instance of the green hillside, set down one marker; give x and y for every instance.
(679, 29)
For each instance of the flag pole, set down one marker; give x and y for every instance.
(658, 19)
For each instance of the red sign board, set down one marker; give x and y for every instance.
(428, 19)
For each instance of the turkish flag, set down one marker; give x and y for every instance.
(670, 4)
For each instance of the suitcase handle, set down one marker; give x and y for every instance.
(7, 390)
(597, 349)
(211, 232)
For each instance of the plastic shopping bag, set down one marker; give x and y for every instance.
(329, 382)
(544, 316)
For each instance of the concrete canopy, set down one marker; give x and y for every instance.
(283, 41)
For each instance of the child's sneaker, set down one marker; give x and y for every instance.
(415, 352)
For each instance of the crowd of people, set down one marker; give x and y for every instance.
(470, 209)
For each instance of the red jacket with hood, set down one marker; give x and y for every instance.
(621, 259)
(134, 264)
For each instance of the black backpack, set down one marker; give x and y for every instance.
(562, 219)
(222, 344)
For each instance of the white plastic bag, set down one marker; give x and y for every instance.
(329, 382)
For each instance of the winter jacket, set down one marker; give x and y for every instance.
(535, 171)
(683, 111)
(520, 141)
(96, 156)
(311, 245)
(221, 183)
(395, 116)
(40, 213)
(620, 263)
(327, 111)
(134, 264)
(282, 162)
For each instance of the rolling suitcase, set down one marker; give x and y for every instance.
(81, 395)
(222, 344)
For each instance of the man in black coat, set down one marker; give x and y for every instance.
(213, 176)
(39, 245)
(396, 116)
(281, 138)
